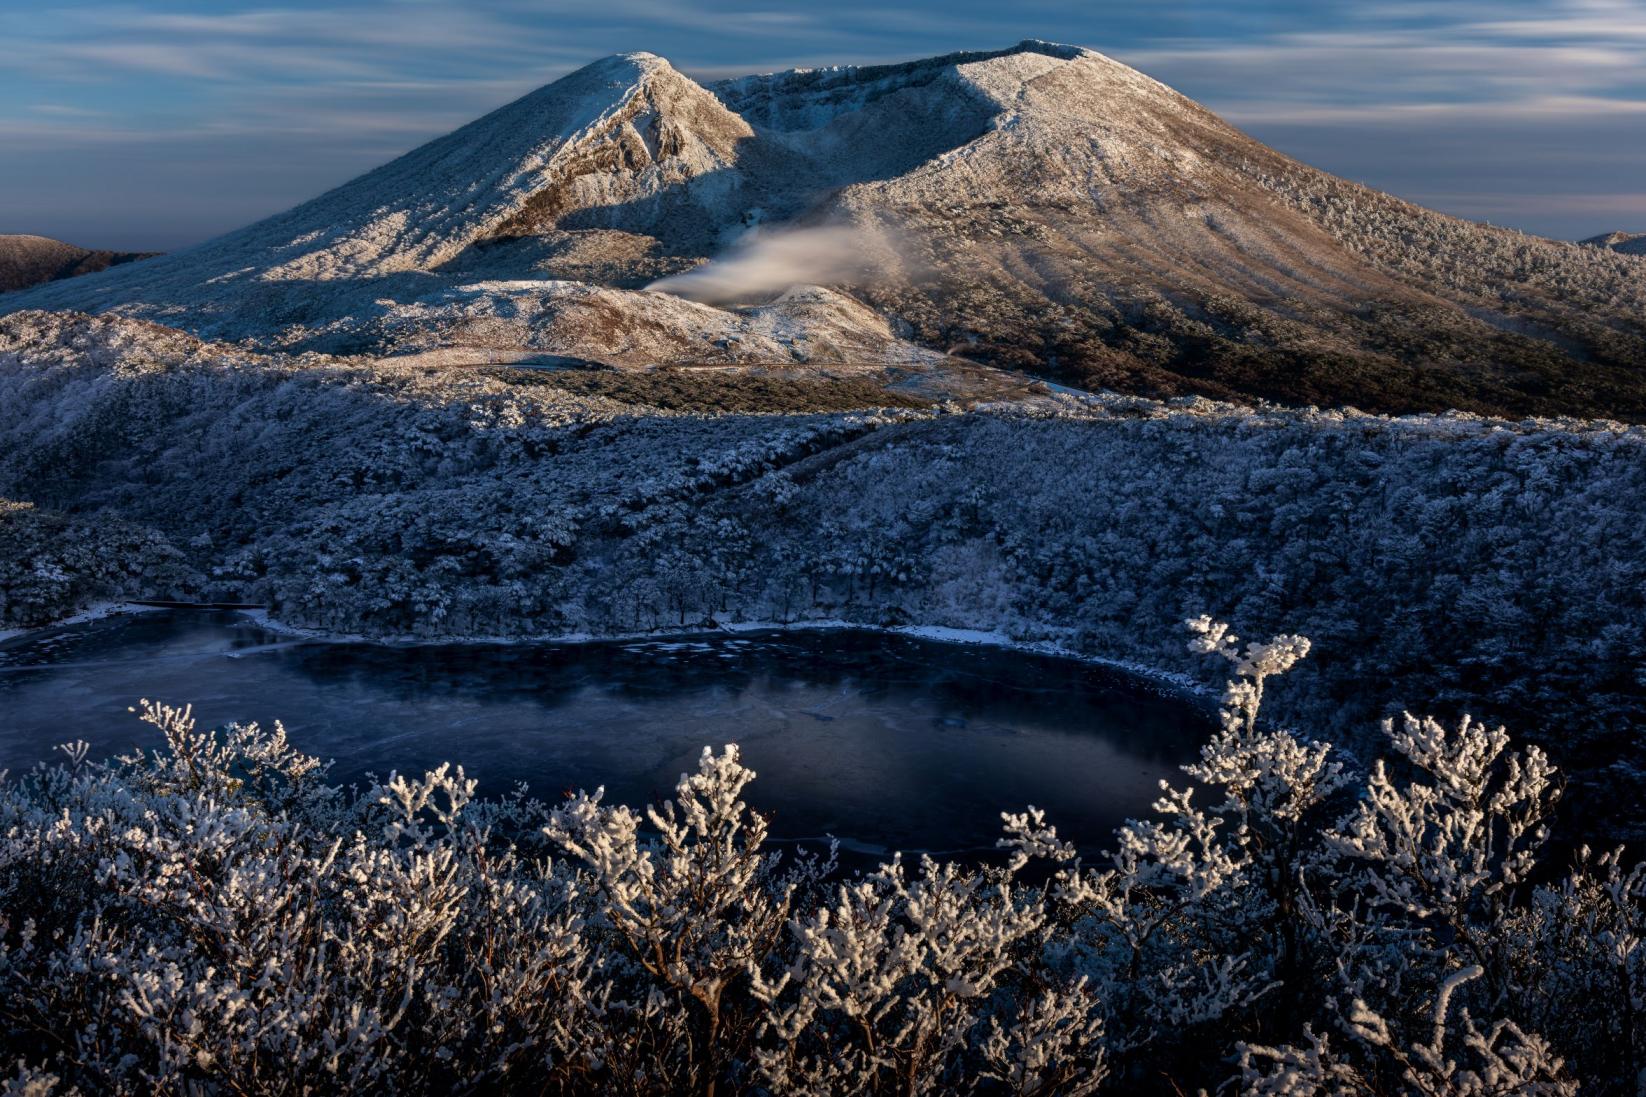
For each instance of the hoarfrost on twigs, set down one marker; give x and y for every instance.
(212, 912)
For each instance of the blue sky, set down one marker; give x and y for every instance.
(158, 123)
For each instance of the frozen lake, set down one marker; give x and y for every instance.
(884, 741)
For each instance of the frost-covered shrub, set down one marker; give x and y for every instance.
(1480, 565)
(52, 565)
(214, 917)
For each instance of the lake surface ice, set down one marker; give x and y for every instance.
(884, 741)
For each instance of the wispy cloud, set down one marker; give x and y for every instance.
(300, 91)
(65, 110)
(1576, 55)
(1530, 112)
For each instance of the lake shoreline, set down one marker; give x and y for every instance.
(886, 738)
(1169, 682)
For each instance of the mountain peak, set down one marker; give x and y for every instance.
(619, 65)
(1039, 206)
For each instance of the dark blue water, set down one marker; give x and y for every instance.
(884, 741)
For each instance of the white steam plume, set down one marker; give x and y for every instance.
(765, 263)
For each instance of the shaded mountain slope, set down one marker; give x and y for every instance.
(31, 260)
(1042, 207)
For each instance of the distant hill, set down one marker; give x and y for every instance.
(1042, 207)
(30, 260)
(1629, 243)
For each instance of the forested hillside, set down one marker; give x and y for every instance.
(1475, 565)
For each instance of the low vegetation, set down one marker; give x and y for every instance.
(703, 392)
(1473, 564)
(214, 917)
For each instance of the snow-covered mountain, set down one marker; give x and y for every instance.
(1629, 243)
(30, 260)
(1041, 207)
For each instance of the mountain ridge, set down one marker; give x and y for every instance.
(1043, 208)
(1629, 243)
(27, 260)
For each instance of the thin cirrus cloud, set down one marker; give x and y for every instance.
(154, 123)
(1530, 114)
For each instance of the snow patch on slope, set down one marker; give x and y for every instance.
(631, 328)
